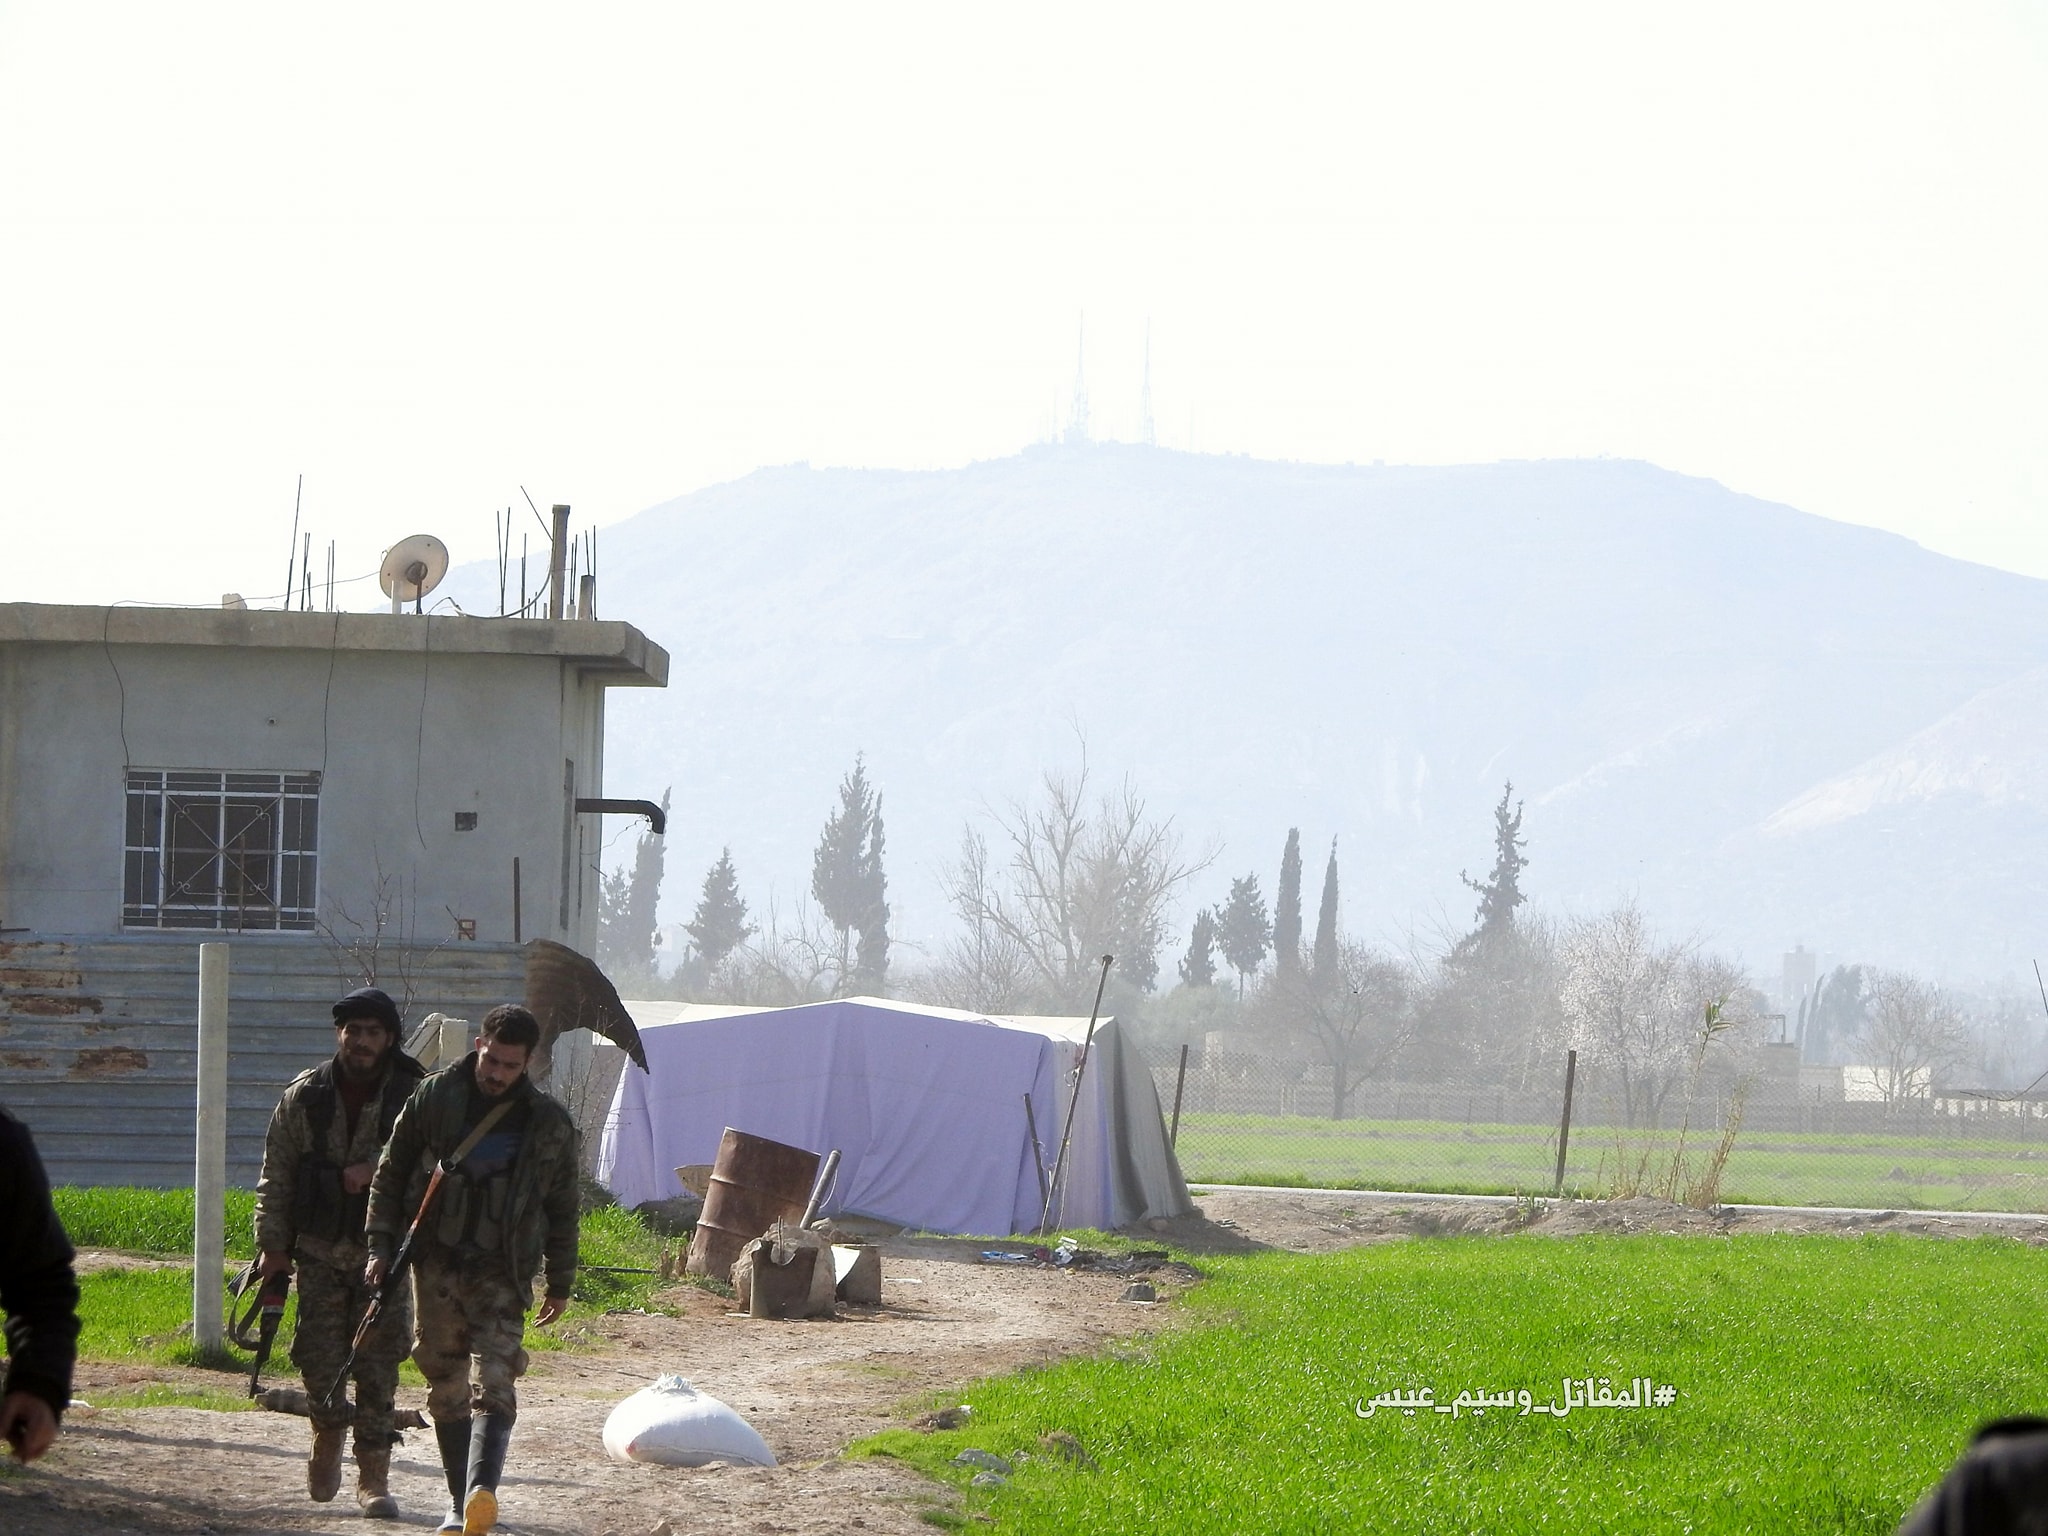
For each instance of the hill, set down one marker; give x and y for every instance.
(1768, 727)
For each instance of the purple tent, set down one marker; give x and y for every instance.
(926, 1107)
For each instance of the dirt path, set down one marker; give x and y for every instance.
(808, 1387)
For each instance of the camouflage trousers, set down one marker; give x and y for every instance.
(331, 1303)
(472, 1320)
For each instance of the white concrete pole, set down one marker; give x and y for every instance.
(210, 1149)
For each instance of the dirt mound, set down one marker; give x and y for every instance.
(1643, 1213)
(1321, 1221)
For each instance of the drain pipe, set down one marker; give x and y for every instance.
(558, 554)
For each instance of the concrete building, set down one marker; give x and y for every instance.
(340, 796)
(1795, 980)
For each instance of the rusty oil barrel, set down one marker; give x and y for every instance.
(754, 1183)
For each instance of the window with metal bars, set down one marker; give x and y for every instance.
(227, 851)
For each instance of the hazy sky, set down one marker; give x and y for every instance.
(425, 254)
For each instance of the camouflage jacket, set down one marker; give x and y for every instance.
(300, 1206)
(38, 1288)
(542, 1205)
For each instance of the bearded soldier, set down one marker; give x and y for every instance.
(505, 1207)
(311, 1201)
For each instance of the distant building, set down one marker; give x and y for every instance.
(1801, 968)
(342, 796)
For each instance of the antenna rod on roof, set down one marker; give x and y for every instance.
(292, 559)
(1059, 1163)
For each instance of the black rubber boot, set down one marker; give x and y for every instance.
(489, 1435)
(454, 1439)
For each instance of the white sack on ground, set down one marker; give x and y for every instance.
(672, 1424)
(926, 1106)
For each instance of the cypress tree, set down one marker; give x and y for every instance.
(847, 879)
(1501, 891)
(643, 892)
(720, 925)
(1199, 968)
(1243, 932)
(871, 958)
(1287, 907)
(627, 904)
(1326, 922)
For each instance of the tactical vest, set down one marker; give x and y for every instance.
(321, 1208)
(473, 1211)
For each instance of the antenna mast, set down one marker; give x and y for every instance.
(290, 565)
(1077, 423)
(1146, 435)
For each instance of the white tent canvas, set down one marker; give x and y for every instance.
(925, 1105)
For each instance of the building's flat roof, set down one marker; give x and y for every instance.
(595, 645)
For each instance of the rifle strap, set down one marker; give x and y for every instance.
(245, 1330)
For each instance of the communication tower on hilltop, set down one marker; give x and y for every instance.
(1077, 420)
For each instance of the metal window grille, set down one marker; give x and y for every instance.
(225, 851)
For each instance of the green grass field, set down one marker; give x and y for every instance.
(157, 1221)
(1822, 1383)
(1766, 1167)
(143, 1314)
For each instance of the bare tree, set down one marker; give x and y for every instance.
(1494, 1006)
(984, 968)
(1361, 1015)
(1910, 1032)
(381, 947)
(1634, 1007)
(785, 964)
(1078, 878)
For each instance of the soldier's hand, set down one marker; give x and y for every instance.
(551, 1307)
(27, 1424)
(274, 1262)
(374, 1272)
(355, 1178)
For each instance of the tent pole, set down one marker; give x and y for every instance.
(1037, 1157)
(1059, 1163)
(1180, 1081)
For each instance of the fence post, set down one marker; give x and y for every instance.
(210, 1150)
(1180, 1081)
(1564, 1127)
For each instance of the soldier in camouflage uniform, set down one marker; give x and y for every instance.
(323, 1144)
(507, 1208)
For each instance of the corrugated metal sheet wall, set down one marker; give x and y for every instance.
(98, 1039)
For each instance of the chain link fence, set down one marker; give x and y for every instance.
(1787, 1134)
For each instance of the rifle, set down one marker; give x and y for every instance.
(396, 1271)
(266, 1311)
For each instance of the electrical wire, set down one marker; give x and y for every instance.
(107, 645)
(327, 698)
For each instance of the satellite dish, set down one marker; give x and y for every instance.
(412, 568)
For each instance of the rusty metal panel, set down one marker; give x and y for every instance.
(98, 1047)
